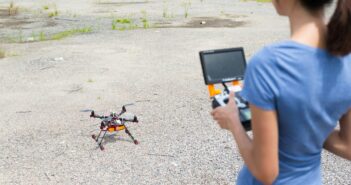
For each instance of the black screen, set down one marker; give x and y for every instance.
(223, 66)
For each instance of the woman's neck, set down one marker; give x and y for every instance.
(307, 28)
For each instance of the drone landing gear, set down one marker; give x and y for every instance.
(130, 135)
(96, 138)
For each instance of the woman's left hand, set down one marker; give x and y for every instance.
(228, 116)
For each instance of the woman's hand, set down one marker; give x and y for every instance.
(228, 116)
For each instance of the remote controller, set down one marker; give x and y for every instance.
(243, 106)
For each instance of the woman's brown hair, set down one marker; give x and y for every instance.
(339, 28)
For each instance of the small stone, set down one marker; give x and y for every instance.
(58, 59)
(174, 163)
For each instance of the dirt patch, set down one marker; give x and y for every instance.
(14, 23)
(205, 22)
(24, 22)
(123, 3)
(4, 12)
(211, 22)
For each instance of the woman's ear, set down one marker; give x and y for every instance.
(284, 7)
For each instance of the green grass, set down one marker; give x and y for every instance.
(123, 21)
(68, 33)
(144, 20)
(53, 13)
(42, 36)
(123, 24)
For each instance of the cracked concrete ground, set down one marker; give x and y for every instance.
(46, 86)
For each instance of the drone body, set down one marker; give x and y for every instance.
(112, 123)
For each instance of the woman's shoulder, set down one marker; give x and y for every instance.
(275, 57)
(271, 51)
(265, 57)
(286, 52)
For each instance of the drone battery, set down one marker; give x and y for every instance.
(116, 128)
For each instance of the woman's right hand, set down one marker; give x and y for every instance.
(339, 141)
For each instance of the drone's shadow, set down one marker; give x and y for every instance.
(112, 138)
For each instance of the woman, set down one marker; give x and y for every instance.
(298, 90)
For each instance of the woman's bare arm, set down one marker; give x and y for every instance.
(261, 153)
(261, 156)
(339, 141)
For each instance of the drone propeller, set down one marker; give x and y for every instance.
(129, 104)
(86, 110)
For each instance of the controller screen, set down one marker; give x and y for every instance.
(224, 66)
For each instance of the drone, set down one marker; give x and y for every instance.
(113, 123)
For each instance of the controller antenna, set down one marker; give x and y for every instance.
(225, 87)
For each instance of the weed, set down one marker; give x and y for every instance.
(144, 20)
(46, 7)
(53, 13)
(165, 12)
(90, 80)
(123, 21)
(12, 9)
(114, 25)
(123, 24)
(42, 36)
(20, 36)
(186, 5)
(2, 53)
(68, 33)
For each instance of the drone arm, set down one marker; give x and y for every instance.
(122, 111)
(93, 115)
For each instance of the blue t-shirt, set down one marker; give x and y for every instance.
(310, 90)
